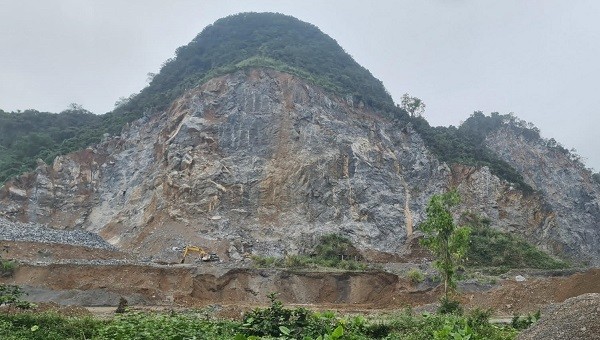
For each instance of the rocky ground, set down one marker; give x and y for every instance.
(575, 318)
(76, 275)
(76, 268)
(30, 232)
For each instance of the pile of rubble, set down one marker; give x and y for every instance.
(29, 232)
(576, 318)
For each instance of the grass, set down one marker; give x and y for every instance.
(415, 276)
(275, 321)
(332, 251)
(496, 252)
(7, 267)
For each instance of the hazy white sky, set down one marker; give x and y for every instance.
(537, 58)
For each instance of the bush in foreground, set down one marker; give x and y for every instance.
(273, 322)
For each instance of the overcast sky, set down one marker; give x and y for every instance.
(537, 58)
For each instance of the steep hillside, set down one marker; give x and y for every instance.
(265, 40)
(257, 157)
(263, 134)
(239, 42)
(30, 135)
(567, 186)
(263, 162)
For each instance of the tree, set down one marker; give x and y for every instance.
(413, 105)
(448, 242)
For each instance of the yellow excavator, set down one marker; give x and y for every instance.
(206, 257)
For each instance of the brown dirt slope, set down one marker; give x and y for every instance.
(535, 293)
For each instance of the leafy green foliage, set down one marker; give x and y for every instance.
(445, 326)
(523, 322)
(449, 306)
(466, 144)
(260, 39)
(30, 135)
(48, 325)
(275, 321)
(448, 242)
(415, 276)
(333, 251)
(494, 250)
(165, 326)
(331, 246)
(10, 295)
(412, 105)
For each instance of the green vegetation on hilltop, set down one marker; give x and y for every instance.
(30, 135)
(465, 144)
(260, 39)
(233, 43)
(236, 42)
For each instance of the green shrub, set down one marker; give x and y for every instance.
(378, 330)
(10, 295)
(519, 322)
(479, 317)
(47, 325)
(415, 276)
(7, 267)
(503, 251)
(333, 251)
(450, 306)
(267, 261)
(337, 251)
(277, 320)
(298, 261)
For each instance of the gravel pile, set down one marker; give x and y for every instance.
(576, 318)
(29, 232)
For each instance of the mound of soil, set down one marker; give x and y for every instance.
(576, 318)
(536, 292)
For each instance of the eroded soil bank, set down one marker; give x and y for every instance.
(102, 284)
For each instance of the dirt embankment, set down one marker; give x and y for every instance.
(536, 292)
(208, 284)
(75, 275)
(213, 283)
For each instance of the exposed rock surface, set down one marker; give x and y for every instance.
(573, 198)
(260, 161)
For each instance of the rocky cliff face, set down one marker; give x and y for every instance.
(261, 161)
(570, 193)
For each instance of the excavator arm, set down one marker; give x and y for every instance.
(203, 254)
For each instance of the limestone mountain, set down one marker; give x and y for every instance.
(263, 134)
